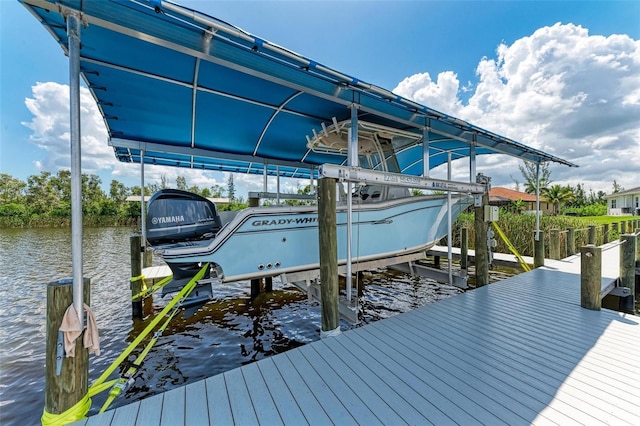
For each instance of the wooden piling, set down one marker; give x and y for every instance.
(591, 235)
(605, 233)
(591, 277)
(464, 248)
(623, 227)
(65, 390)
(538, 250)
(554, 244)
(328, 247)
(137, 284)
(628, 251)
(481, 247)
(253, 202)
(148, 258)
(268, 284)
(571, 241)
(255, 288)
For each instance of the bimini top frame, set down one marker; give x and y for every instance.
(193, 91)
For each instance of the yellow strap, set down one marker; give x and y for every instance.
(512, 248)
(81, 408)
(150, 290)
(185, 290)
(76, 412)
(138, 278)
(119, 384)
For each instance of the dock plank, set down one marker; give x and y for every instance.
(150, 411)
(104, 420)
(528, 383)
(218, 401)
(196, 400)
(127, 415)
(261, 398)
(552, 358)
(428, 383)
(239, 398)
(375, 379)
(484, 387)
(354, 408)
(286, 404)
(173, 407)
(416, 393)
(319, 354)
(305, 398)
(347, 394)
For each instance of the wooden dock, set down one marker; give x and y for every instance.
(517, 352)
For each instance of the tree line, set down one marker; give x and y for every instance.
(45, 199)
(571, 200)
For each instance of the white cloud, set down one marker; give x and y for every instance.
(561, 90)
(50, 126)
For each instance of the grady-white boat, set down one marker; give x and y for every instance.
(187, 230)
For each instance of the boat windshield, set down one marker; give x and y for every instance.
(376, 144)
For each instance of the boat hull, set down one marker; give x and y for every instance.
(269, 241)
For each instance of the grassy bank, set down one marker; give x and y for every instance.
(519, 228)
(64, 222)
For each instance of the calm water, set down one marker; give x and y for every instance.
(228, 332)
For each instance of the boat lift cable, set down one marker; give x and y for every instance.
(80, 410)
(525, 266)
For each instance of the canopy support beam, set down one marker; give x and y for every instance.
(374, 177)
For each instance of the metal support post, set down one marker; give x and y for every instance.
(537, 235)
(352, 156)
(472, 158)
(278, 185)
(73, 35)
(143, 218)
(449, 224)
(425, 150)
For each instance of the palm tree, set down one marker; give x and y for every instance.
(557, 195)
(528, 171)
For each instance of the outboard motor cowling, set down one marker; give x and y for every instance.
(174, 216)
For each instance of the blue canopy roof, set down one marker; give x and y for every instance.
(193, 91)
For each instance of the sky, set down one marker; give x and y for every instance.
(563, 77)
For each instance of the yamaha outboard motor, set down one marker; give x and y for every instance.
(175, 216)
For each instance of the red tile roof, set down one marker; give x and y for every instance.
(511, 194)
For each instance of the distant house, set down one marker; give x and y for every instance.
(503, 197)
(624, 202)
